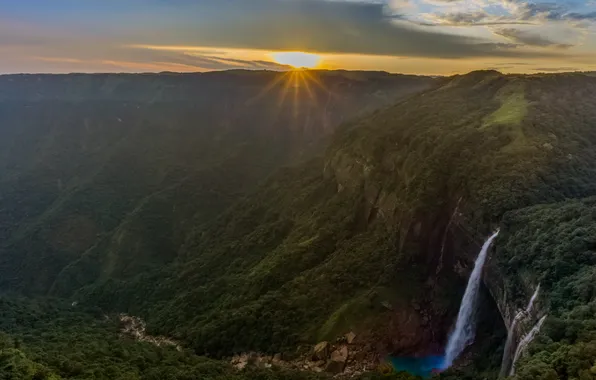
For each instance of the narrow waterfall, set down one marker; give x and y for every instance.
(464, 331)
(526, 340)
(522, 314)
(532, 300)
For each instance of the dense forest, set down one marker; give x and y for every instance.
(263, 212)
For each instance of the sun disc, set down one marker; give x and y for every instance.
(297, 59)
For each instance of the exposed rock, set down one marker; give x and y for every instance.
(338, 360)
(341, 363)
(277, 359)
(387, 305)
(359, 356)
(263, 361)
(135, 328)
(547, 146)
(321, 351)
(350, 337)
(240, 362)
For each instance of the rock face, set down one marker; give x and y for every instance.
(321, 351)
(135, 328)
(350, 337)
(338, 360)
(240, 362)
(342, 360)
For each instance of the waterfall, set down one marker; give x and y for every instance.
(522, 314)
(526, 340)
(531, 303)
(464, 331)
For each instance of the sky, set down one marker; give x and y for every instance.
(434, 37)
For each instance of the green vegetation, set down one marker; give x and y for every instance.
(185, 213)
(514, 107)
(555, 245)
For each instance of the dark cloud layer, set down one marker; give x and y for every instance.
(327, 26)
(201, 61)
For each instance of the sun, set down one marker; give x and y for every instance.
(297, 59)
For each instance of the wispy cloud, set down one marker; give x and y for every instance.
(528, 38)
(555, 69)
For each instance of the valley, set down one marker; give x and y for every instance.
(250, 217)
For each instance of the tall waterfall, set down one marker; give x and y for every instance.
(511, 334)
(526, 340)
(464, 331)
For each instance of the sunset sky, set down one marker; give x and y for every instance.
(408, 36)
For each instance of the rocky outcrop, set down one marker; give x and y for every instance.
(321, 351)
(342, 359)
(337, 361)
(350, 337)
(135, 327)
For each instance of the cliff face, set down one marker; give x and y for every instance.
(441, 177)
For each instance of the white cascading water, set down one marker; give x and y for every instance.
(532, 300)
(522, 314)
(526, 340)
(464, 331)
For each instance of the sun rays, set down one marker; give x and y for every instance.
(299, 85)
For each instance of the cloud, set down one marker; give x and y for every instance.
(192, 34)
(582, 16)
(546, 11)
(332, 27)
(201, 60)
(556, 69)
(153, 59)
(477, 18)
(527, 38)
(494, 12)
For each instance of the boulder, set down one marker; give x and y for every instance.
(359, 356)
(321, 351)
(277, 359)
(337, 362)
(350, 337)
(240, 362)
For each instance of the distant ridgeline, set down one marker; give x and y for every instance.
(234, 214)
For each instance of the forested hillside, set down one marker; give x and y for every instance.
(119, 168)
(232, 229)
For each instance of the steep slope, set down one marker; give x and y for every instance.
(115, 169)
(372, 237)
(554, 245)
